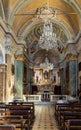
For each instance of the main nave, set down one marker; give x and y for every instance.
(40, 60)
(45, 117)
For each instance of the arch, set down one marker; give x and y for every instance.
(16, 9)
(2, 11)
(30, 25)
(76, 6)
(19, 8)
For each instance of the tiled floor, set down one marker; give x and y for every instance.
(44, 118)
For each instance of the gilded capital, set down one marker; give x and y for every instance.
(20, 57)
(72, 57)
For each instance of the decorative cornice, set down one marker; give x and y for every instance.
(9, 31)
(69, 56)
(75, 40)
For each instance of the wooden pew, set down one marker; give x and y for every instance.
(72, 105)
(30, 104)
(24, 104)
(67, 110)
(58, 105)
(22, 110)
(25, 109)
(73, 123)
(69, 115)
(61, 108)
(7, 127)
(26, 115)
(18, 121)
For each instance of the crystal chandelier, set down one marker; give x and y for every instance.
(46, 66)
(48, 39)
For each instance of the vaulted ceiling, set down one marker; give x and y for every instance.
(21, 16)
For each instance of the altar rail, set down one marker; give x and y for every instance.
(33, 98)
(38, 98)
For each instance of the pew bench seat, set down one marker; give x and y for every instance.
(7, 127)
(18, 121)
(73, 124)
(68, 116)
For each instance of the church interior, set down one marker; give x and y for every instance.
(40, 62)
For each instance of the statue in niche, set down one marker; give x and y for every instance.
(33, 47)
(37, 79)
(60, 46)
(46, 75)
(54, 79)
(32, 50)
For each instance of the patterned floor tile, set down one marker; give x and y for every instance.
(44, 118)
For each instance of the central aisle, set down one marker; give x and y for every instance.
(44, 118)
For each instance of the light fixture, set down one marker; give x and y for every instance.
(46, 66)
(48, 38)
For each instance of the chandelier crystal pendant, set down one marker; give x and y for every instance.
(46, 66)
(48, 39)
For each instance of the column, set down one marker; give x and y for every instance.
(8, 76)
(31, 78)
(19, 70)
(73, 75)
(8, 56)
(28, 78)
(67, 77)
(62, 80)
(3, 82)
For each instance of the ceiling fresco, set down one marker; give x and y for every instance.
(32, 40)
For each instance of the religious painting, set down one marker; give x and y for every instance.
(33, 47)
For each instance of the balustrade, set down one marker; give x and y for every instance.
(51, 97)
